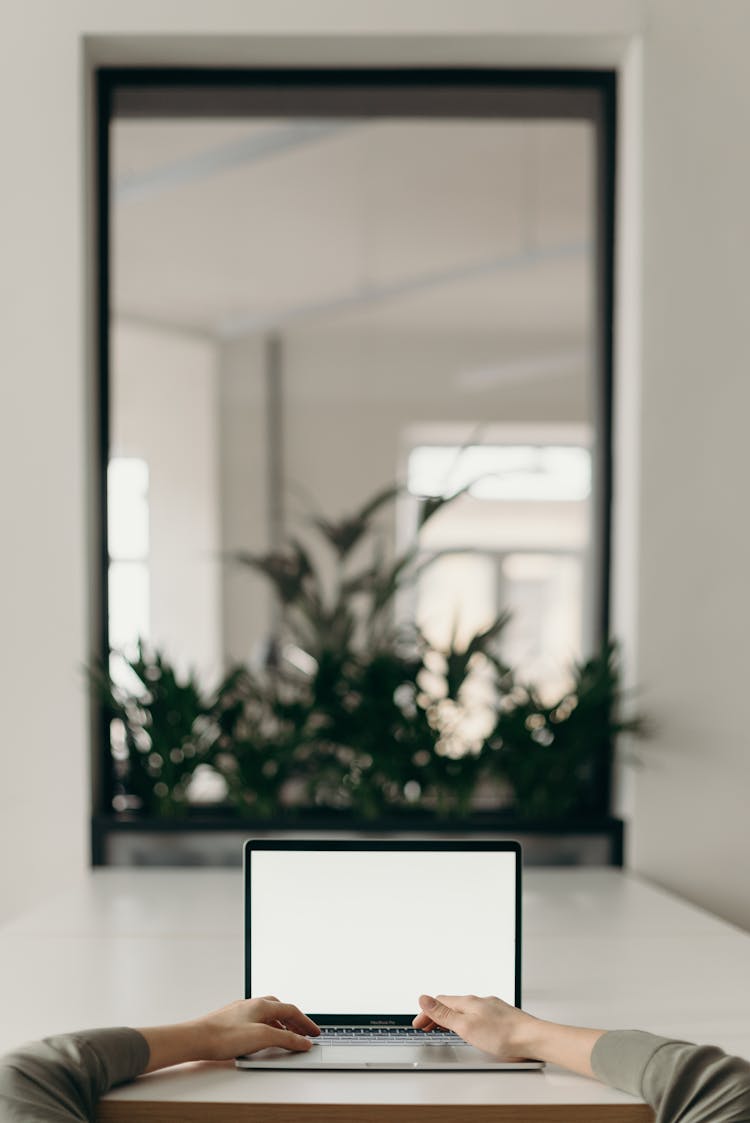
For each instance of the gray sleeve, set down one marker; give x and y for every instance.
(683, 1083)
(61, 1078)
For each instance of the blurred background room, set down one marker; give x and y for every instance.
(372, 387)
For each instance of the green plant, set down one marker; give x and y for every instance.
(557, 757)
(161, 730)
(367, 725)
(351, 711)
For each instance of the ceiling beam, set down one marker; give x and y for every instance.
(199, 166)
(246, 324)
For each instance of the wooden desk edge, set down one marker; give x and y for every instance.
(164, 1111)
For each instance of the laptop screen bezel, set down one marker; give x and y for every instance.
(502, 846)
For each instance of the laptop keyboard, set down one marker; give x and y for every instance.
(384, 1035)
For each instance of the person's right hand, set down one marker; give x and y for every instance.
(488, 1023)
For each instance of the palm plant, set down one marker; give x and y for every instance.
(360, 729)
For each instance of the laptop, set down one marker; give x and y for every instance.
(353, 932)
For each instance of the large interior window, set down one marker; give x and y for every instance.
(315, 284)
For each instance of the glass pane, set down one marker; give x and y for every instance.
(128, 604)
(544, 593)
(308, 310)
(127, 508)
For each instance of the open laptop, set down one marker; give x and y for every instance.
(353, 932)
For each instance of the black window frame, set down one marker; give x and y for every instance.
(180, 92)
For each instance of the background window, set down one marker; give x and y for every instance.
(320, 288)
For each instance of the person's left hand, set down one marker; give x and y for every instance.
(242, 1027)
(254, 1023)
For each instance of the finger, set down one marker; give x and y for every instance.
(293, 1017)
(283, 1039)
(441, 1013)
(422, 1021)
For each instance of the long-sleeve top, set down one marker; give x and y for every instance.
(60, 1079)
(683, 1083)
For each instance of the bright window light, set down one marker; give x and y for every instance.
(127, 505)
(128, 534)
(128, 604)
(504, 472)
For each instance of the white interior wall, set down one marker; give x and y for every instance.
(44, 562)
(689, 813)
(246, 604)
(164, 409)
(690, 827)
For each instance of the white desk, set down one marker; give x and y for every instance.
(140, 947)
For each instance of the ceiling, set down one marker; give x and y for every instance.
(232, 228)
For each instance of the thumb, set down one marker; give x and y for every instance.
(441, 1014)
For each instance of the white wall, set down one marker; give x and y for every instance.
(43, 412)
(164, 409)
(690, 811)
(246, 600)
(691, 829)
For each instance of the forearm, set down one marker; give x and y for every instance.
(60, 1079)
(174, 1045)
(689, 1083)
(567, 1046)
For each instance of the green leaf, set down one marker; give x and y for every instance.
(434, 503)
(288, 569)
(484, 640)
(347, 532)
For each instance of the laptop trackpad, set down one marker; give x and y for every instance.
(406, 1056)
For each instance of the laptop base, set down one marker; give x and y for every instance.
(408, 1058)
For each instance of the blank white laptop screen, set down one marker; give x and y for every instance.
(366, 932)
